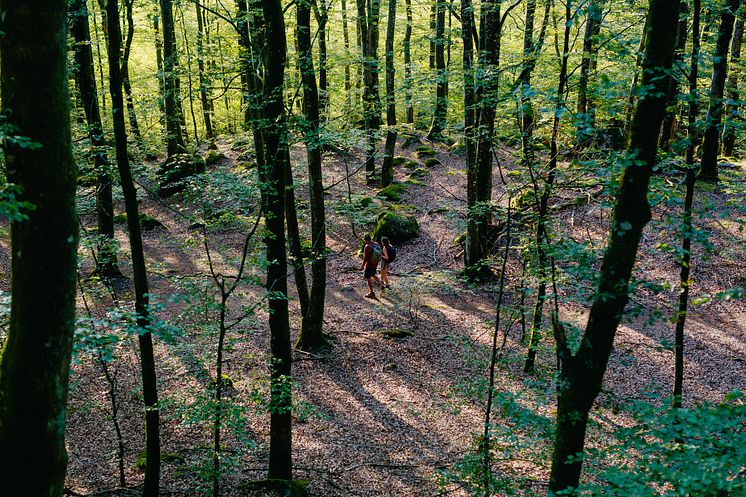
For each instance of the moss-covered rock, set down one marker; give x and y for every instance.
(432, 162)
(147, 222)
(425, 151)
(397, 333)
(246, 165)
(213, 157)
(396, 226)
(411, 164)
(460, 239)
(420, 172)
(413, 181)
(393, 192)
(400, 159)
(175, 170)
(166, 458)
(274, 487)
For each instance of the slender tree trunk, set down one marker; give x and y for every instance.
(86, 79)
(472, 251)
(145, 339)
(672, 103)
(134, 126)
(711, 145)
(159, 60)
(441, 76)
(586, 107)
(542, 237)
(203, 80)
(731, 107)
(686, 228)
(174, 137)
(433, 31)
(311, 335)
(631, 98)
(280, 454)
(35, 361)
(581, 373)
(387, 170)
(408, 104)
(346, 38)
(294, 242)
(368, 17)
(323, 87)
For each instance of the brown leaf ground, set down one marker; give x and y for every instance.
(381, 416)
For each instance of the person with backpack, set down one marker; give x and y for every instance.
(388, 256)
(371, 257)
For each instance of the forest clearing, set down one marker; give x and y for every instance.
(310, 248)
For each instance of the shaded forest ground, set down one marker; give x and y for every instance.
(383, 416)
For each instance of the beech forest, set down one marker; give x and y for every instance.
(372, 248)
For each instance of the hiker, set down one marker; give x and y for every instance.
(371, 256)
(388, 256)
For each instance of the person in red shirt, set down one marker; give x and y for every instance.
(371, 258)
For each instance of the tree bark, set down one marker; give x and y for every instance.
(203, 83)
(139, 271)
(280, 445)
(672, 103)
(312, 335)
(472, 250)
(711, 145)
(387, 170)
(323, 86)
(407, 47)
(731, 107)
(586, 106)
(35, 362)
(581, 373)
(368, 18)
(131, 114)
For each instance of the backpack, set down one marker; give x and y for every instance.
(375, 255)
(391, 251)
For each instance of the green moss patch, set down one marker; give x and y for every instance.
(432, 162)
(425, 151)
(213, 157)
(147, 223)
(397, 333)
(393, 192)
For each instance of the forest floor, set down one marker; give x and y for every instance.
(380, 416)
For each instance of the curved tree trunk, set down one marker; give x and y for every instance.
(145, 339)
(35, 362)
(581, 373)
(711, 144)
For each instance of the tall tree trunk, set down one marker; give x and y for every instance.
(159, 60)
(311, 335)
(586, 107)
(85, 77)
(139, 271)
(731, 108)
(368, 18)
(35, 361)
(203, 82)
(346, 38)
(672, 102)
(280, 445)
(174, 137)
(581, 373)
(134, 126)
(686, 228)
(542, 236)
(472, 250)
(631, 98)
(531, 52)
(407, 47)
(294, 242)
(387, 170)
(323, 87)
(441, 76)
(711, 145)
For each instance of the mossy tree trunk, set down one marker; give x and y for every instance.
(472, 250)
(85, 78)
(275, 52)
(586, 106)
(711, 144)
(407, 49)
(203, 80)
(672, 102)
(368, 19)
(581, 373)
(35, 361)
(139, 271)
(311, 335)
